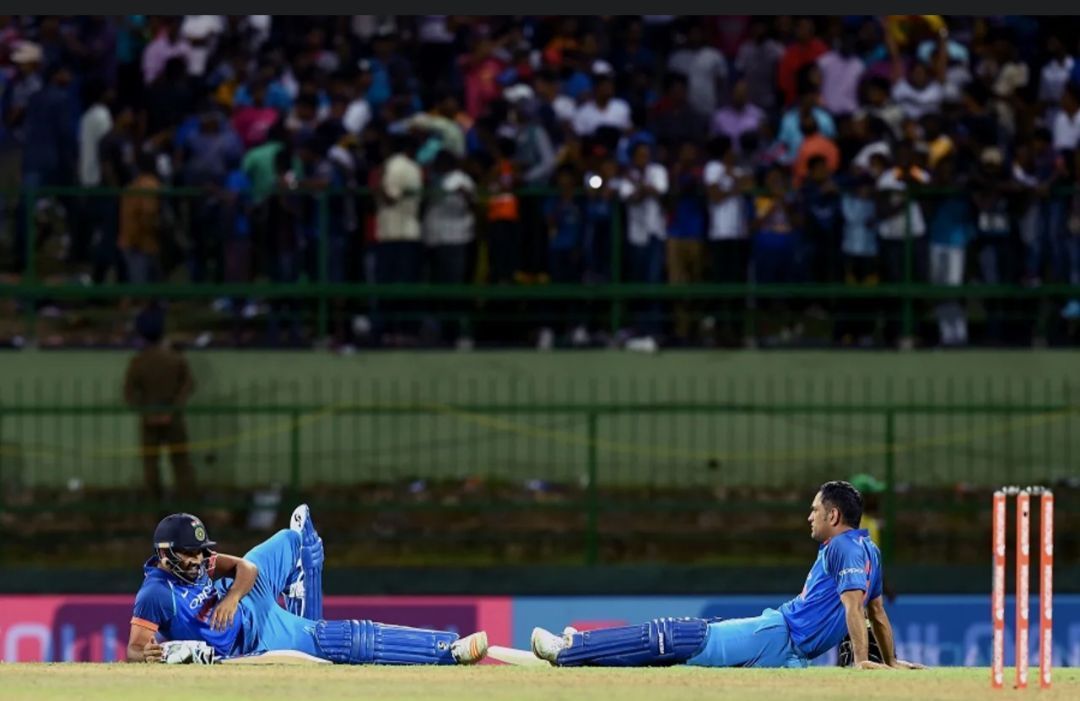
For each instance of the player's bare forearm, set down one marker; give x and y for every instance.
(856, 625)
(142, 645)
(242, 571)
(879, 622)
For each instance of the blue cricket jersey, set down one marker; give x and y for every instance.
(816, 617)
(178, 610)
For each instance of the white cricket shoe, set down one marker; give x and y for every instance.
(547, 646)
(470, 649)
(299, 519)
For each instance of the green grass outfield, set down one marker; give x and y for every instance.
(115, 682)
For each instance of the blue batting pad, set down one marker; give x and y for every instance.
(367, 642)
(303, 594)
(311, 559)
(307, 578)
(660, 642)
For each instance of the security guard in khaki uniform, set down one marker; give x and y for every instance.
(157, 384)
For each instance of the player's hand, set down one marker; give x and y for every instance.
(867, 664)
(904, 664)
(224, 613)
(152, 651)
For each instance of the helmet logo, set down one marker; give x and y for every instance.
(200, 532)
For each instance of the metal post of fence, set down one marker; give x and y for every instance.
(324, 250)
(592, 555)
(907, 313)
(616, 266)
(3, 489)
(30, 272)
(294, 452)
(890, 485)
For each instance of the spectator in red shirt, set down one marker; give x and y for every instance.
(252, 122)
(481, 68)
(803, 51)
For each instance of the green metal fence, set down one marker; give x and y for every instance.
(906, 303)
(679, 443)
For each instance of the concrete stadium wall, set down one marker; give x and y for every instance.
(702, 449)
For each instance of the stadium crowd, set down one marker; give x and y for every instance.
(724, 149)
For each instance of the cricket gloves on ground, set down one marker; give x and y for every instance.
(187, 652)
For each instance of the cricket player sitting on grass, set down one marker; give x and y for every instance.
(843, 587)
(224, 606)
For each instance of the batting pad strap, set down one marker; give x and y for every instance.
(660, 642)
(367, 642)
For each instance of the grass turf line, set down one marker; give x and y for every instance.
(117, 682)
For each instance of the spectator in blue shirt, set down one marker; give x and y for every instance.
(210, 154)
(686, 231)
(950, 232)
(860, 249)
(823, 221)
(791, 135)
(566, 228)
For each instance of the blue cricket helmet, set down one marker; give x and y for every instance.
(184, 533)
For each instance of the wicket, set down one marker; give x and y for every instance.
(1023, 580)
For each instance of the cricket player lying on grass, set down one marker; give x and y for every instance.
(843, 587)
(226, 607)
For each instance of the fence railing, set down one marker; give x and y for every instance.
(630, 448)
(331, 278)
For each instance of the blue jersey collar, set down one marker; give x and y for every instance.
(854, 532)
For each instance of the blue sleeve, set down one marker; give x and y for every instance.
(875, 588)
(788, 133)
(877, 578)
(154, 604)
(237, 181)
(847, 565)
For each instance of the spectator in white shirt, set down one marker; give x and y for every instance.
(738, 118)
(167, 44)
(705, 70)
(1054, 76)
(201, 32)
(1067, 122)
(642, 190)
(604, 110)
(358, 113)
(728, 221)
(398, 254)
(94, 124)
(449, 228)
(897, 220)
(841, 71)
(919, 91)
(727, 186)
(757, 61)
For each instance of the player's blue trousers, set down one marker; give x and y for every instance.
(762, 641)
(267, 626)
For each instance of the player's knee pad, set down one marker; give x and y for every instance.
(367, 642)
(659, 642)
